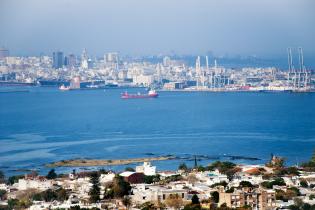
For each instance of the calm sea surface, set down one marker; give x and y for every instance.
(46, 125)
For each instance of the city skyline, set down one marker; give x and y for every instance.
(139, 28)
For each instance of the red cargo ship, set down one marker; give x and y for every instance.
(150, 94)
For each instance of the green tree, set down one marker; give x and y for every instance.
(245, 184)
(109, 193)
(75, 208)
(172, 178)
(277, 181)
(230, 190)
(294, 190)
(2, 194)
(51, 174)
(95, 190)
(12, 203)
(298, 203)
(2, 176)
(313, 157)
(14, 179)
(129, 169)
(102, 171)
(37, 197)
(225, 167)
(307, 206)
(49, 195)
(151, 179)
(192, 207)
(127, 201)
(303, 183)
(287, 171)
(183, 167)
(310, 165)
(201, 168)
(195, 199)
(215, 196)
(148, 206)
(120, 187)
(62, 194)
(223, 183)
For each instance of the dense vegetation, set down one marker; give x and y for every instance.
(95, 190)
(51, 195)
(117, 189)
(269, 185)
(51, 174)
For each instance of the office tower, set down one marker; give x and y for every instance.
(70, 60)
(111, 57)
(166, 61)
(58, 59)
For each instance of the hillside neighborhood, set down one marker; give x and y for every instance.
(220, 185)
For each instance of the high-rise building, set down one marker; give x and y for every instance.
(111, 57)
(70, 60)
(58, 59)
(166, 61)
(112, 60)
(4, 52)
(84, 59)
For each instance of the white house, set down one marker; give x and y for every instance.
(37, 183)
(104, 178)
(212, 177)
(147, 169)
(143, 193)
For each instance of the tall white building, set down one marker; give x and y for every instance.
(147, 169)
(111, 57)
(166, 61)
(84, 60)
(198, 66)
(145, 80)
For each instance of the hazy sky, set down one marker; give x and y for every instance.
(247, 27)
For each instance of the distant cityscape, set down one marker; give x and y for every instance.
(169, 73)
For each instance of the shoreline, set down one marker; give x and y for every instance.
(104, 162)
(85, 162)
(231, 91)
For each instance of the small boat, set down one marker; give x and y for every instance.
(150, 94)
(63, 87)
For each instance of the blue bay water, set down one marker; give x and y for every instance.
(46, 125)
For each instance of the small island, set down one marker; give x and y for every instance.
(98, 162)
